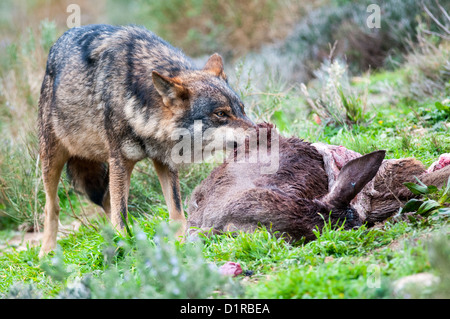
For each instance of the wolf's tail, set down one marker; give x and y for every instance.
(90, 178)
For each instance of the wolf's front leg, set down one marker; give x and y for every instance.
(119, 186)
(53, 159)
(170, 185)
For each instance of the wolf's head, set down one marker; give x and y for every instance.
(203, 98)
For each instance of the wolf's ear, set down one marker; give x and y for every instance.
(214, 65)
(171, 90)
(353, 177)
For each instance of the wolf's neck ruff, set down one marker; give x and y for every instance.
(159, 126)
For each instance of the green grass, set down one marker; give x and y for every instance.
(338, 264)
(96, 262)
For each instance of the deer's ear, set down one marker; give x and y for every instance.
(172, 91)
(353, 177)
(214, 66)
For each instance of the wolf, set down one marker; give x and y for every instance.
(114, 95)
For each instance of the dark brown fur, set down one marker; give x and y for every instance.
(292, 201)
(296, 199)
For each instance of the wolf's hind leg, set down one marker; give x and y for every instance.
(53, 158)
(107, 204)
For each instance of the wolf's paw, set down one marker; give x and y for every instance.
(181, 230)
(45, 251)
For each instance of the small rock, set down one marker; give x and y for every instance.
(406, 286)
(328, 259)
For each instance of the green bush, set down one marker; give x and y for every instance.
(21, 191)
(202, 27)
(344, 24)
(138, 266)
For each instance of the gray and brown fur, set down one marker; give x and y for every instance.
(112, 96)
(298, 198)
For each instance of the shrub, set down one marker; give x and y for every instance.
(21, 192)
(333, 100)
(302, 52)
(138, 266)
(22, 66)
(427, 66)
(201, 27)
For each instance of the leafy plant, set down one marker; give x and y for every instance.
(354, 108)
(23, 291)
(433, 205)
(335, 102)
(442, 107)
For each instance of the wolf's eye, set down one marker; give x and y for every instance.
(221, 114)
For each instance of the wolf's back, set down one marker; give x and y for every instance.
(91, 43)
(76, 43)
